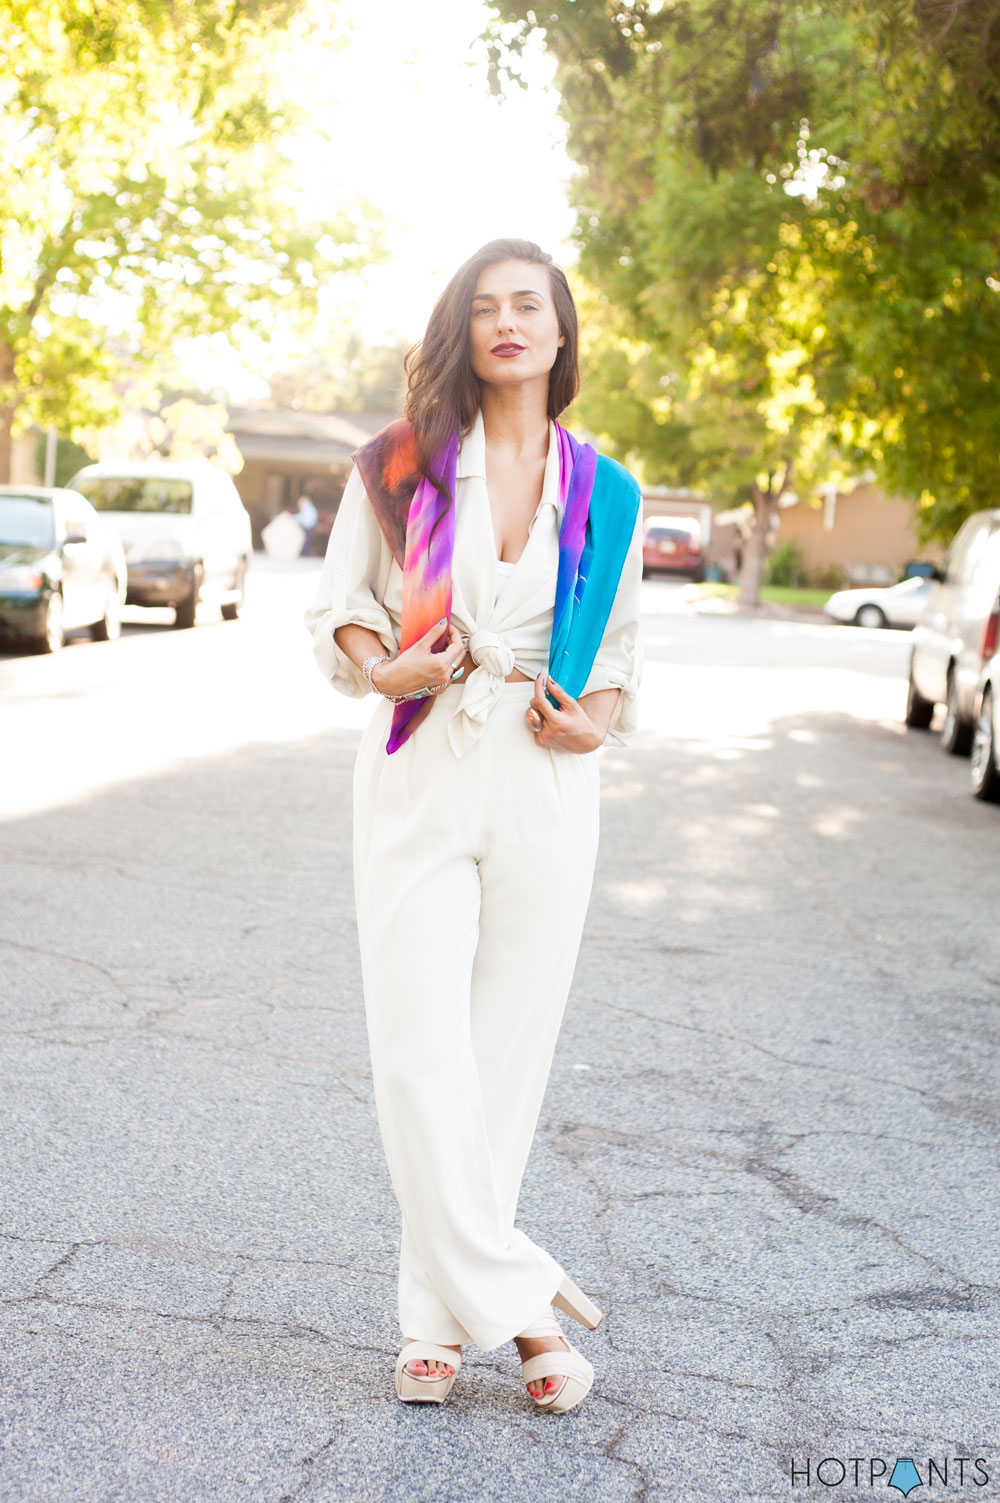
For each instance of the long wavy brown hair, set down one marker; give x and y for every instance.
(443, 391)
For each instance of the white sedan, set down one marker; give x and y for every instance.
(894, 605)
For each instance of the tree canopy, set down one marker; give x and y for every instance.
(143, 195)
(790, 214)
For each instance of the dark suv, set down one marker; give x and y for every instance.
(949, 640)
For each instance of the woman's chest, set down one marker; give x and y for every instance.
(513, 492)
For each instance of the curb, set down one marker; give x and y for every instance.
(765, 611)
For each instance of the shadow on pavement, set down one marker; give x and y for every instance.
(767, 1148)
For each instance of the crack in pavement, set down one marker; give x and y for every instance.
(797, 1064)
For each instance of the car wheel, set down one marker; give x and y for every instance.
(231, 610)
(956, 733)
(870, 615)
(186, 612)
(54, 635)
(919, 711)
(985, 776)
(109, 628)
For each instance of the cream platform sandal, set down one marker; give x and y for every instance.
(571, 1366)
(435, 1387)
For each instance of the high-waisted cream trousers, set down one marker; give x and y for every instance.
(472, 878)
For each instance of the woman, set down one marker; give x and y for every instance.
(478, 548)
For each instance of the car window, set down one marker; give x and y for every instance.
(966, 549)
(986, 579)
(136, 493)
(76, 524)
(915, 585)
(676, 534)
(26, 522)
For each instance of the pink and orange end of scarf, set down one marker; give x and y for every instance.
(418, 521)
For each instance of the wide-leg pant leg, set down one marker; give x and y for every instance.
(539, 839)
(418, 828)
(536, 873)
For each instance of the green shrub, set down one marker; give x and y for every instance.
(786, 566)
(830, 577)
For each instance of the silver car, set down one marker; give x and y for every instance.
(947, 656)
(185, 530)
(61, 568)
(892, 605)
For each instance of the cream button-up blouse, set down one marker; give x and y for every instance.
(362, 583)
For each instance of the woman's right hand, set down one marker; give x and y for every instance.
(419, 667)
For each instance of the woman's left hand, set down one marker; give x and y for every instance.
(563, 726)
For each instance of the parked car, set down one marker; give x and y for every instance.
(61, 567)
(672, 545)
(985, 776)
(948, 641)
(185, 531)
(893, 605)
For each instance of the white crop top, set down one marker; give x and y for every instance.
(504, 571)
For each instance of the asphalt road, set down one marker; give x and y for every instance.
(768, 1148)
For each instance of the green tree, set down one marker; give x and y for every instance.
(142, 194)
(909, 244)
(790, 211)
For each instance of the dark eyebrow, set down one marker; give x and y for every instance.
(525, 292)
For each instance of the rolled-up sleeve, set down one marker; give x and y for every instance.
(352, 589)
(618, 664)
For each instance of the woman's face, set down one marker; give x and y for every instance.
(514, 332)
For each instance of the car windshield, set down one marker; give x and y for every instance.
(656, 534)
(26, 522)
(915, 585)
(134, 493)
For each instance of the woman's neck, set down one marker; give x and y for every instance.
(516, 417)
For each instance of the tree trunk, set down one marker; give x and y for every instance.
(755, 548)
(6, 409)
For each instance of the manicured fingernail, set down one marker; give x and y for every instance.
(442, 621)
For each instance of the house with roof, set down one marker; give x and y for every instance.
(288, 453)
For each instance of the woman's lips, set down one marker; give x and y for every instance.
(507, 351)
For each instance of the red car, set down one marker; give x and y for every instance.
(672, 545)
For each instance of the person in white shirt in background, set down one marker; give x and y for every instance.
(307, 516)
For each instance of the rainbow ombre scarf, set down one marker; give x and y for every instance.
(599, 501)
